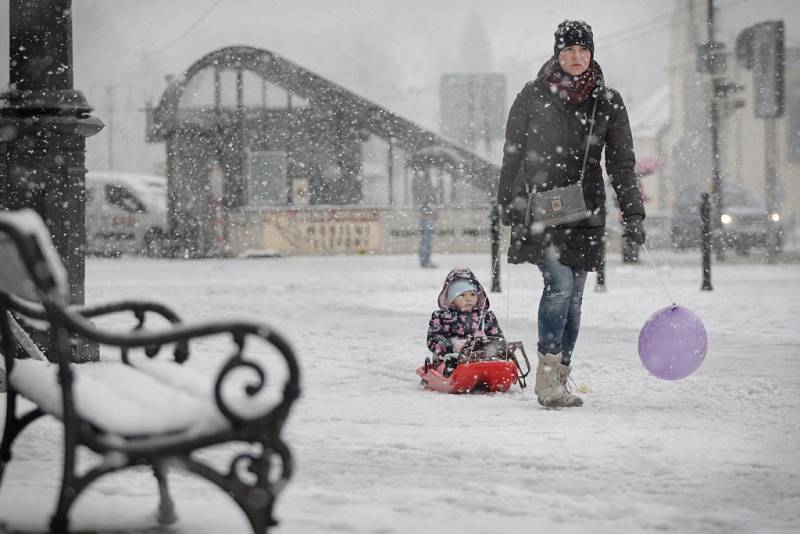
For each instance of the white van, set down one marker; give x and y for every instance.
(125, 213)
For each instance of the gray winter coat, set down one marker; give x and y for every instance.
(545, 144)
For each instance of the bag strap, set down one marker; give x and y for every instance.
(588, 141)
(530, 191)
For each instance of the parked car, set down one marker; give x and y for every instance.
(744, 223)
(125, 213)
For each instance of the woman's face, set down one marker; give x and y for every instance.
(574, 60)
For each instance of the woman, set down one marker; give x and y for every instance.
(546, 142)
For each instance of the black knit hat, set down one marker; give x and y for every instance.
(573, 32)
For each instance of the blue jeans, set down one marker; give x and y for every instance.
(425, 241)
(560, 306)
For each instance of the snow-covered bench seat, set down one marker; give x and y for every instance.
(161, 392)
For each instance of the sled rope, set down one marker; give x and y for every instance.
(508, 286)
(649, 257)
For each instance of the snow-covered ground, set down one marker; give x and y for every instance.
(716, 452)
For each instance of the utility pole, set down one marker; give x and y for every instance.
(711, 60)
(716, 64)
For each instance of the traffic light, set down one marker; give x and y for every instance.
(728, 90)
(725, 88)
(711, 58)
(760, 48)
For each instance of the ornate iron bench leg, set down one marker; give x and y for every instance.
(58, 525)
(166, 507)
(8, 434)
(71, 485)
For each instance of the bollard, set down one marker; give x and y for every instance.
(600, 285)
(494, 232)
(705, 218)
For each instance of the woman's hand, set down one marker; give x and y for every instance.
(634, 229)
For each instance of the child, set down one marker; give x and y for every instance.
(463, 313)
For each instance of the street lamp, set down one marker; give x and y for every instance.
(44, 124)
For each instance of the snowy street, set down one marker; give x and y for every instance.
(714, 453)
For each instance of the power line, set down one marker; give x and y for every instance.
(526, 63)
(133, 62)
(657, 23)
(188, 30)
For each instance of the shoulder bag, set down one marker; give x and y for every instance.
(561, 205)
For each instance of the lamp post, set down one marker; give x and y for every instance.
(44, 124)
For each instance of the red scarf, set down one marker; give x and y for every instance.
(571, 89)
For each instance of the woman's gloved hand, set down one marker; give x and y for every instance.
(634, 229)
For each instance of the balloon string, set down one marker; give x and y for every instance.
(649, 257)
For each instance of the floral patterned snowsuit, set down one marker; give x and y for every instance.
(448, 323)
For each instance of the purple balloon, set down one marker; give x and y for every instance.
(673, 343)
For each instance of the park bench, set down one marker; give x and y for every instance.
(140, 404)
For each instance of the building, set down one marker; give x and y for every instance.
(265, 155)
(685, 143)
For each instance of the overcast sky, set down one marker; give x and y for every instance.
(393, 52)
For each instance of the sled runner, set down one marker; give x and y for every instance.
(484, 364)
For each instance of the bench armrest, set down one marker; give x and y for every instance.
(182, 333)
(138, 307)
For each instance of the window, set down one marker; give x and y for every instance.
(227, 89)
(277, 97)
(199, 91)
(267, 184)
(298, 101)
(254, 90)
(122, 198)
(257, 92)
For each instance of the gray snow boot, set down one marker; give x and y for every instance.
(570, 400)
(551, 383)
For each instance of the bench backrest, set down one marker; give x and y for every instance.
(29, 264)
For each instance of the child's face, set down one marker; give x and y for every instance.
(466, 301)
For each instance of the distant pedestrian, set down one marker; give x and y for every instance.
(547, 137)
(424, 194)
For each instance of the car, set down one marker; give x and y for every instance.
(743, 223)
(126, 213)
